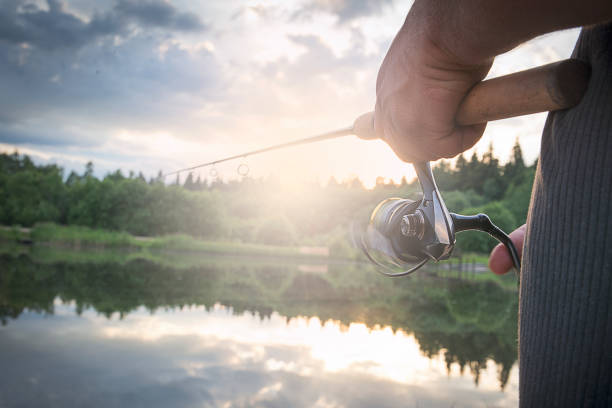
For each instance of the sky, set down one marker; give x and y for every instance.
(159, 85)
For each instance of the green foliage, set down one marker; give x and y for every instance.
(13, 234)
(84, 238)
(458, 201)
(341, 245)
(77, 235)
(276, 231)
(29, 193)
(341, 248)
(261, 211)
(493, 188)
(518, 194)
(484, 176)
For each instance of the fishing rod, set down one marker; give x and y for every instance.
(312, 139)
(403, 235)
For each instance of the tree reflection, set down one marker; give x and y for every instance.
(468, 321)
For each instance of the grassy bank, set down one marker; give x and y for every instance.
(52, 243)
(77, 236)
(83, 237)
(14, 234)
(95, 243)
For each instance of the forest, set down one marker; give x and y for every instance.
(253, 210)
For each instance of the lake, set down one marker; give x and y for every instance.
(104, 329)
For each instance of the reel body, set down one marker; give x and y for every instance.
(405, 234)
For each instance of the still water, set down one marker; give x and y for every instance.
(106, 330)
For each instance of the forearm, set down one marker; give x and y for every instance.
(477, 30)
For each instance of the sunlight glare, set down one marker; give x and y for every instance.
(332, 346)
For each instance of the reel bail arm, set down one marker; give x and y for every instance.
(482, 222)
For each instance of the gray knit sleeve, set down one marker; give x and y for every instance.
(565, 322)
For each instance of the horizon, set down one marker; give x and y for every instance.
(210, 181)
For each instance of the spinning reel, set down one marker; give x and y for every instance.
(405, 234)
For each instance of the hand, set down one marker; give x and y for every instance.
(499, 260)
(419, 88)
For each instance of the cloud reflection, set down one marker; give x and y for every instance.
(217, 358)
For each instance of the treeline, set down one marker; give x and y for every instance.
(250, 210)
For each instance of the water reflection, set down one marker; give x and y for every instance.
(244, 334)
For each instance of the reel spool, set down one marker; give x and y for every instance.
(403, 235)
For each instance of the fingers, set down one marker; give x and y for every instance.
(429, 148)
(470, 136)
(461, 139)
(499, 260)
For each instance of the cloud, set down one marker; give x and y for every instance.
(46, 137)
(49, 29)
(58, 28)
(307, 88)
(101, 100)
(154, 82)
(186, 370)
(156, 13)
(346, 10)
(147, 80)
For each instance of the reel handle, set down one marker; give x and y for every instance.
(551, 87)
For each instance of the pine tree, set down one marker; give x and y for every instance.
(494, 186)
(515, 168)
(89, 169)
(189, 184)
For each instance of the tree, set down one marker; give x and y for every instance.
(276, 231)
(189, 184)
(515, 168)
(198, 183)
(247, 209)
(518, 194)
(445, 176)
(89, 169)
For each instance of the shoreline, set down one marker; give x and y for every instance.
(78, 238)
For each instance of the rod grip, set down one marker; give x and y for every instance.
(551, 87)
